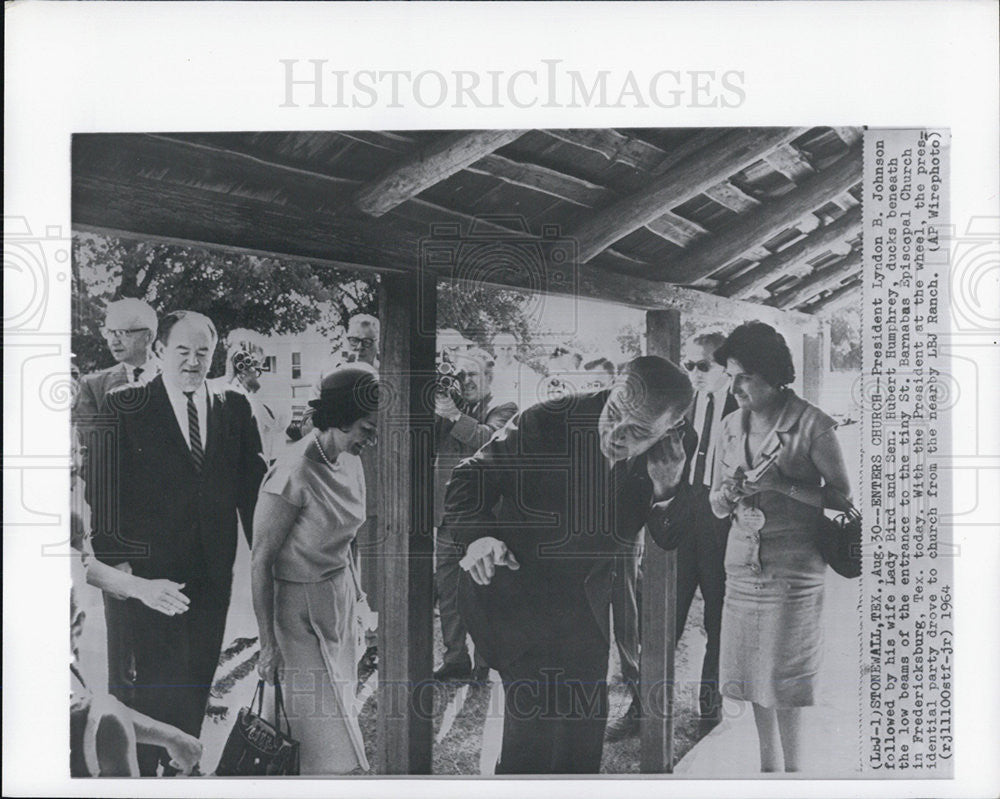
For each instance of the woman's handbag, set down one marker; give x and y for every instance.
(840, 542)
(257, 748)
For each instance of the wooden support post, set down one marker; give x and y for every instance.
(812, 366)
(659, 603)
(407, 306)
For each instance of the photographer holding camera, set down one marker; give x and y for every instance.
(466, 417)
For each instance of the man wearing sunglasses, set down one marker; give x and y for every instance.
(543, 510)
(702, 546)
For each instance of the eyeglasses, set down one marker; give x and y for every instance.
(121, 332)
(364, 343)
(701, 366)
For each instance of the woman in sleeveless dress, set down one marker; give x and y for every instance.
(305, 587)
(778, 464)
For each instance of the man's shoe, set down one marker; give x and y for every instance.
(626, 726)
(453, 671)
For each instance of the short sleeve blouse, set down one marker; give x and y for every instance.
(331, 504)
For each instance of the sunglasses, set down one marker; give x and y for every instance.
(365, 343)
(701, 366)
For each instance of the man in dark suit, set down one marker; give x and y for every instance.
(188, 461)
(701, 549)
(543, 509)
(462, 424)
(129, 329)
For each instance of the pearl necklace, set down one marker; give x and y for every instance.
(322, 454)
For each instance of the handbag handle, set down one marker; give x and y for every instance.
(279, 705)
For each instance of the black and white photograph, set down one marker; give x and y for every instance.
(545, 419)
(559, 410)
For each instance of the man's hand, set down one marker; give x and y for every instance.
(184, 750)
(445, 406)
(164, 596)
(665, 464)
(484, 555)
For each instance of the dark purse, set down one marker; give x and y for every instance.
(840, 542)
(257, 748)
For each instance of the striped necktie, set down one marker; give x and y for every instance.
(194, 432)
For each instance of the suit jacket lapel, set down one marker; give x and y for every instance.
(159, 405)
(213, 432)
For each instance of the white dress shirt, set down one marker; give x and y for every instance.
(150, 369)
(701, 399)
(178, 401)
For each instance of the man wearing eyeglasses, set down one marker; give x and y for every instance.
(702, 546)
(129, 330)
(543, 509)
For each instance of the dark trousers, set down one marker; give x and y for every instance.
(701, 564)
(625, 615)
(447, 554)
(176, 658)
(121, 662)
(556, 703)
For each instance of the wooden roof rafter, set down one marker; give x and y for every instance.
(753, 229)
(427, 166)
(716, 162)
(793, 256)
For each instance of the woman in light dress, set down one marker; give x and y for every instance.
(778, 464)
(305, 587)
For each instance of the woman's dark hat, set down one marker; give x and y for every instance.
(356, 382)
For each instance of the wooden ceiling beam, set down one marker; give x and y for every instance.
(542, 179)
(793, 256)
(822, 279)
(186, 215)
(836, 298)
(790, 162)
(676, 229)
(213, 155)
(429, 165)
(755, 228)
(612, 145)
(732, 197)
(714, 164)
(144, 206)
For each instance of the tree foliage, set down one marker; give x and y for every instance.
(269, 295)
(845, 340)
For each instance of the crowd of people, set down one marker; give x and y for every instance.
(543, 485)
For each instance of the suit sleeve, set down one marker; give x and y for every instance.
(108, 472)
(85, 407)
(473, 433)
(251, 468)
(479, 483)
(668, 519)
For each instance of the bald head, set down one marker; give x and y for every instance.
(646, 401)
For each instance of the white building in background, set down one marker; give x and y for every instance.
(292, 366)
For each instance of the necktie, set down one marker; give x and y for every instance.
(194, 432)
(136, 374)
(706, 434)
